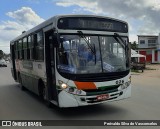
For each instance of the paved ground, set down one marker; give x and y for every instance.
(143, 105)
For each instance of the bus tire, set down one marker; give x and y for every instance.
(42, 94)
(42, 90)
(20, 81)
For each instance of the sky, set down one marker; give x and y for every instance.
(143, 16)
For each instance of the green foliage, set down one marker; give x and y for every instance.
(134, 45)
(1, 54)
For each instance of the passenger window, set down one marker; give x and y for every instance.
(20, 49)
(30, 48)
(25, 47)
(16, 50)
(39, 46)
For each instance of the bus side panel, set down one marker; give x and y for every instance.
(32, 75)
(29, 82)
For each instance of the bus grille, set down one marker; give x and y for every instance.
(99, 91)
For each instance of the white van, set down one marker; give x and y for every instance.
(3, 63)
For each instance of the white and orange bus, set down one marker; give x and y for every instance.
(74, 60)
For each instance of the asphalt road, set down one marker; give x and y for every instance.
(23, 105)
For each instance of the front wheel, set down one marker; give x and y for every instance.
(42, 91)
(43, 94)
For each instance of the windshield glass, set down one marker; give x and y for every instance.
(90, 54)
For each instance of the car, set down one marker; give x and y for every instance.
(3, 63)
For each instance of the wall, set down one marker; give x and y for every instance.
(146, 38)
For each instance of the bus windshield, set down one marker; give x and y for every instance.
(92, 54)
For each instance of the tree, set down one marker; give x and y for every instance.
(1, 54)
(134, 45)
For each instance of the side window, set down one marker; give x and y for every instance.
(142, 41)
(20, 49)
(118, 50)
(39, 46)
(25, 47)
(30, 48)
(16, 50)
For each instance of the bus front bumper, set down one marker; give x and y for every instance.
(71, 100)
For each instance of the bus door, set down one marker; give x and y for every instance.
(50, 68)
(13, 69)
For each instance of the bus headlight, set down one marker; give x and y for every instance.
(74, 91)
(71, 89)
(78, 92)
(62, 84)
(125, 85)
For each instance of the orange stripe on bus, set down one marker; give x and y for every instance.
(85, 85)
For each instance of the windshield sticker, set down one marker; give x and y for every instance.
(108, 67)
(66, 68)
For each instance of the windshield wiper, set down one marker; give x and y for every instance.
(92, 48)
(119, 39)
(87, 42)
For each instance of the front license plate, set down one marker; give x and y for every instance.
(102, 97)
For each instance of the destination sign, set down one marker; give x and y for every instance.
(92, 23)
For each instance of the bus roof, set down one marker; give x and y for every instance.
(53, 20)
